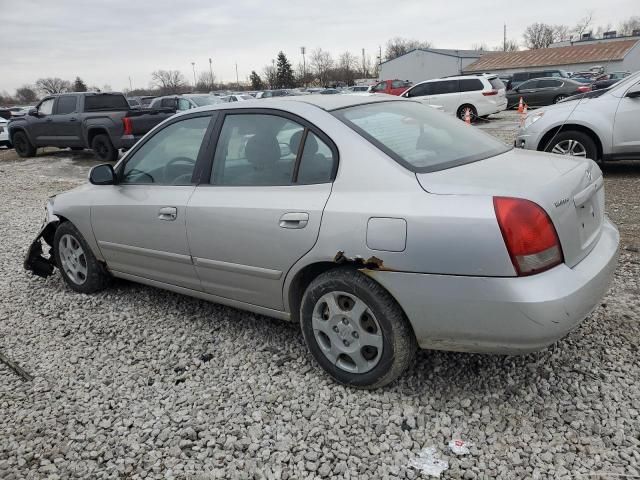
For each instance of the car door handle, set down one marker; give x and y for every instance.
(72, 119)
(168, 213)
(294, 220)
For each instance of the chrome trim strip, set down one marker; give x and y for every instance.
(147, 252)
(237, 268)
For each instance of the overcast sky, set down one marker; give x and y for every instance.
(107, 42)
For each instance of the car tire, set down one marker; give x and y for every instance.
(23, 146)
(369, 348)
(574, 143)
(78, 266)
(559, 98)
(473, 113)
(103, 149)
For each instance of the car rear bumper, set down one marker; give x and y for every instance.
(504, 315)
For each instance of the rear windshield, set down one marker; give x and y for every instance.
(147, 101)
(496, 83)
(94, 103)
(419, 137)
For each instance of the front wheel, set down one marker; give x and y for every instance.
(23, 146)
(356, 330)
(573, 143)
(78, 265)
(103, 148)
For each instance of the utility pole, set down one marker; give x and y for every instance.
(379, 60)
(303, 50)
(130, 84)
(237, 81)
(211, 71)
(193, 64)
(504, 47)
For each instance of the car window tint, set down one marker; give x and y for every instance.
(168, 103)
(397, 84)
(549, 83)
(497, 84)
(446, 86)
(470, 84)
(316, 162)
(256, 149)
(183, 104)
(520, 77)
(169, 157)
(420, 90)
(105, 101)
(379, 87)
(529, 84)
(46, 107)
(66, 104)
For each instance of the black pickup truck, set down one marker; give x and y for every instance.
(103, 122)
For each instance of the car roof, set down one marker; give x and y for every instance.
(336, 102)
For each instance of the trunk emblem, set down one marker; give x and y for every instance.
(559, 203)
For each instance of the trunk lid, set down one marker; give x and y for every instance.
(570, 189)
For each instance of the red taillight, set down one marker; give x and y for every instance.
(489, 93)
(529, 234)
(584, 89)
(128, 126)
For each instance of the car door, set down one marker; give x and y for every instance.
(379, 87)
(447, 94)
(260, 208)
(626, 135)
(140, 223)
(65, 126)
(420, 92)
(40, 124)
(546, 92)
(528, 91)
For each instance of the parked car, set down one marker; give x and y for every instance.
(391, 87)
(272, 93)
(184, 102)
(479, 95)
(4, 133)
(545, 91)
(506, 79)
(583, 80)
(237, 97)
(521, 77)
(608, 79)
(601, 125)
(19, 111)
(5, 113)
(357, 89)
(377, 223)
(103, 122)
(330, 91)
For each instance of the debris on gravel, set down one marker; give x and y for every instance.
(136, 382)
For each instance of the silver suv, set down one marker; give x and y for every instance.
(601, 125)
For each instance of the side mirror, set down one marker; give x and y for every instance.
(634, 92)
(33, 112)
(102, 175)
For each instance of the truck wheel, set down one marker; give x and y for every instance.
(355, 329)
(23, 146)
(78, 265)
(573, 143)
(103, 148)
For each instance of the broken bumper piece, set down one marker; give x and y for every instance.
(35, 260)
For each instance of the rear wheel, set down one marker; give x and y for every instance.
(103, 148)
(462, 112)
(23, 146)
(78, 266)
(355, 330)
(573, 143)
(559, 98)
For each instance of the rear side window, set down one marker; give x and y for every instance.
(496, 83)
(398, 84)
(168, 103)
(446, 86)
(418, 137)
(420, 90)
(549, 83)
(66, 104)
(470, 84)
(520, 77)
(529, 84)
(106, 102)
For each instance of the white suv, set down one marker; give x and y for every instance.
(480, 95)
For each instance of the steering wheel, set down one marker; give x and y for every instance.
(134, 172)
(178, 160)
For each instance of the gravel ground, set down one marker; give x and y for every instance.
(136, 382)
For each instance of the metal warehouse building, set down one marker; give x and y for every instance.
(427, 63)
(614, 55)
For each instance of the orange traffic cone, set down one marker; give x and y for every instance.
(467, 116)
(520, 105)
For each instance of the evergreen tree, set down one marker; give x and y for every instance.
(256, 81)
(284, 72)
(79, 85)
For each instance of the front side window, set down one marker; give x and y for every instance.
(419, 137)
(66, 104)
(445, 86)
(183, 104)
(529, 85)
(380, 87)
(420, 90)
(168, 103)
(549, 83)
(397, 84)
(169, 157)
(46, 107)
(265, 150)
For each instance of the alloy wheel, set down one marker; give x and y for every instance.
(570, 147)
(347, 332)
(73, 259)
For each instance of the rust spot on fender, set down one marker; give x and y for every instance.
(371, 263)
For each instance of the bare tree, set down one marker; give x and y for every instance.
(206, 82)
(627, 27)
(583, 25)
(168, 81)
(26, 94)
(399, 46)
(561, 33)
(271, 75)
(348, 64)
(52, 85)
(538, 35)
(482, 47)
(321, 62)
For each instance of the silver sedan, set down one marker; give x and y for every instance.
(377, 223)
